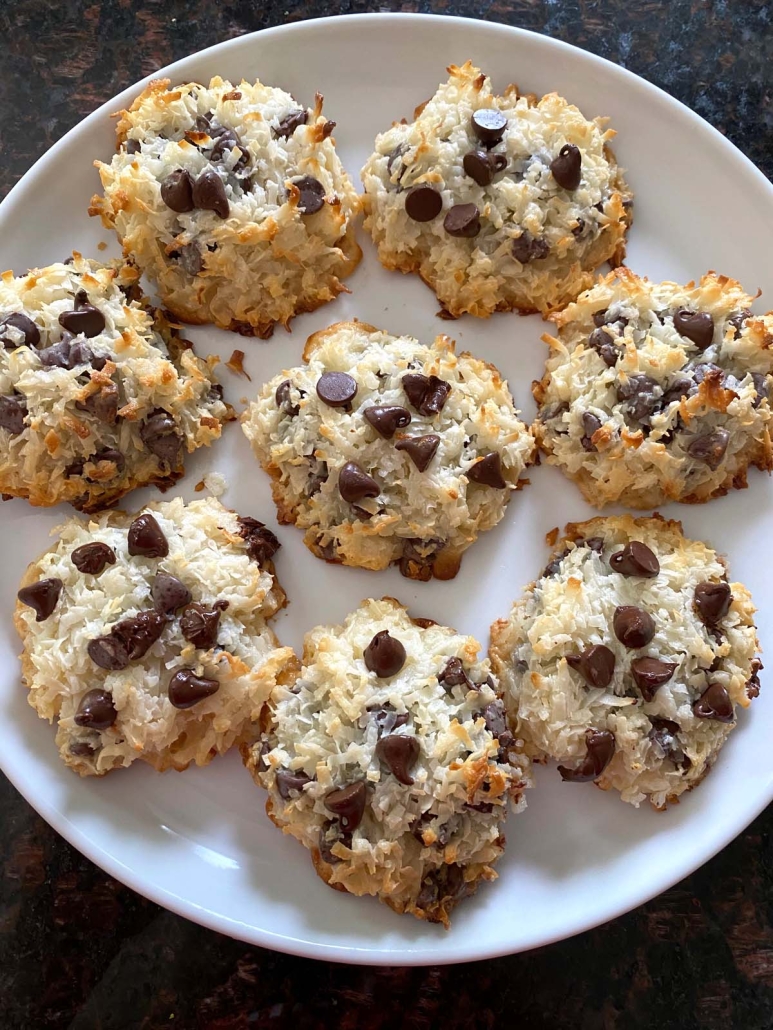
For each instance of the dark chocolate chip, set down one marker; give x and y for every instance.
(602, 342)
(177, 191)
(462, 221)
(160, 435)
(427, 394)
(262, 544)
(289, 782)
(420, 449)
(664, 734)
(567, 167)
(697, 326)
(96, 710)
(199, 625)
(186, 689)
(67, 353)
(488, 471)
(91, 559)
(753, 684)
(132, 146)
(330, 834)
(526, 248)
(209, 193)
(579, 228)
(554, 564)
(639, 395)
(80, 749)
(760, 387)
(387, 719)
(226, 141)
(168, 593)
(283, 400)
(489, 125)
(649, 674)
(348, 803)
(596, 665)
(423, 203)
(737, 322)
(706, 370)
(103, 404)
(354, 484)
(312, 195)
(290, 123)
(495, 718)
(600, 746)
(635, 559)
(712, 602)
(42, 597)
(443, 887)
(109, 454)
(127, 641)
(482, 166)
(714, 703)
(85, 319)
(633, 626)
(336, 389)
(710, 448)
(453, 674)
(384, 655)
(146, 538)
(399, 752)
(23, 324)
(591, 424)
(600, 317)
(13, 411)
(386, 418)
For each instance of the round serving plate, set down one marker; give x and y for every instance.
(200, 843)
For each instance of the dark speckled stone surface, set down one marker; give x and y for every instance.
(77, 949)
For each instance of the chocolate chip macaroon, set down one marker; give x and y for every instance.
(98, 393)
(657, 392)
(499, 203)
(147, 636)
(233, 201)
(385, 450)
(390, 760)
(629, 658)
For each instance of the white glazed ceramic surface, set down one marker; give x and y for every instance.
(199, 842)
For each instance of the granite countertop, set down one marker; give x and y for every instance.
(79, 950)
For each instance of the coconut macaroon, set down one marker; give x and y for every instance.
(233, 201)
(656, 392)
(500, 203)
(627, 658)
(146, 636)
(98, 394)
(384, 450)
(390, 760)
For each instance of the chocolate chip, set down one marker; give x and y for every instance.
(354, 484)
(481, 166)
(289, 782)
(384, 655)
(596, 665)
(67, 353)
(420, 449)
(418, 558)
(526, 248)
(710, 448)
(103, 404)
(186, 689)
(649, 674)
(84, 320)
(600, 746)
(336, 389)
(399, 752)
(209, 193)
(664, 734)
(177, 191)
(737, 322)
(602, 342)
(488, 471)
(386, 418)
(13, 411)
(330, 834)
(706, 370)
(567, 167)
(427, 394)
(283, 401)
(591, 424)
(595, 543)
(453, 675)
(262, 544)
(96, 710)
(226, 141)
(462, 221)
(443, 886)
(91, 559)
(495, 718)
(109, 454)
(712, 602)
(633, 626)
(132, 146)
(42, 597)
(199, 625)
(290, 123)
(168, 593)
(697, 326)
(312, 195)
(160, 435)
(387, 719)
(423, 203)
(753, 684)
(348, 803)
(489, 125)
(579, 228)
(80, 749)
(146, 538)
(600, 317)
(635, 559)
(639, 395)
(127, 641)
(714, 703)
(17, 320)
(189, 257)
(554, 564)
(760, 388)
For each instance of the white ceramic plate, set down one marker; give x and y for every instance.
(200, 843)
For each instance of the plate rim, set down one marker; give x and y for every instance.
(228, 925)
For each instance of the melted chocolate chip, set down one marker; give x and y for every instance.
(712, 602)
(738, 321)
(132, 146)
(84, 320)
(635, 559)
(387, 719)
(80, 749)
(336, 389)
(262, 544)
(146, 538)
(331, 834)
(489, 125)
(639, 395)
(753, 684)
(596, 665)
(13, 411)
(760, 388)
(384, 655)
(290, 123)
(453, 675)
(199, 625)
(462, 221)
(96, 710)
(177, 191)
(554, 564)
(710, 448)
(127, 641)
(387, 418)
(602, 342)
(488, 471)
(103, 404)
(42, 597)
(160, 435)
(283, 401)
(186, 689)
(482, 166)
(108, 454)
(495, 718)
(348, 803)
(427, 394)
(567, 167)
(91, 559)
(664, 735)
(354, 484)
(443, 886)
(312, 195)
(600, 746)
(209, 194)
(226, 141)
(714, 703)
(23, 324)
(697, 326)
(526, 248)
(168, 593)
(591, 424)
(423, 203)
(633, 626)
(67, 353)
(420, 449)
(399, 752)
(650, 674)
(189, 258)
(289, 783)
